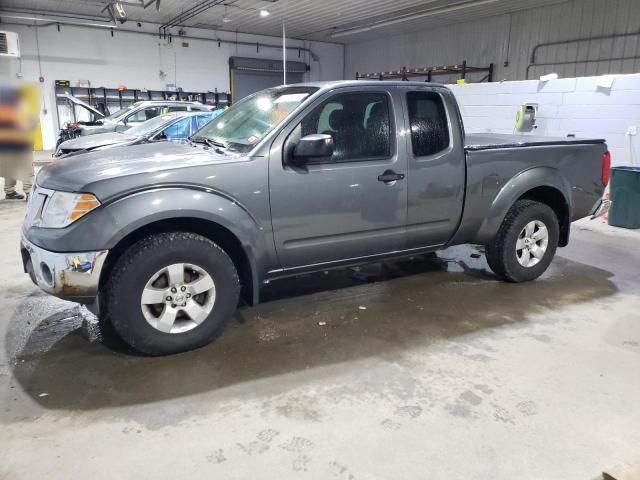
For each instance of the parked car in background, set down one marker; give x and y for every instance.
(124, 118)
(175, 126)
(167, 236)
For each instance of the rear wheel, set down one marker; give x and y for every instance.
(526, 242)
(171, 292)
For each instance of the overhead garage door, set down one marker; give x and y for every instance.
(249, 75)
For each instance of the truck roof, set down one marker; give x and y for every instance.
(349, 83)
(167, 102)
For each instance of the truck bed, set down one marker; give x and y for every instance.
(489, 141)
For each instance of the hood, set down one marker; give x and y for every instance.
(97, 129)
(85, 105)
(113, 171)
(90, 142)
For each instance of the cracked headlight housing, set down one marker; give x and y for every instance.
(64, 208)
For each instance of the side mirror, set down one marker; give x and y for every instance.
(314, 146)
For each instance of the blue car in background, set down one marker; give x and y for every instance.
(172, 127)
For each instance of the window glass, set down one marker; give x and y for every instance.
(201, 120)
(119, 113)
(178, 130)
(358, 122)
(144, 114)
(241, 126)
(323, 122)
(149, 126)
(428, 120)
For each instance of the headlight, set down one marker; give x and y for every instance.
(64, 208)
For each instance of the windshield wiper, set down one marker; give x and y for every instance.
(207, 141)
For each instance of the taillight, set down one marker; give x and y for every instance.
(606, 168)
(72, 125)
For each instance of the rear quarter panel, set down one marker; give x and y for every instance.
(497, 178)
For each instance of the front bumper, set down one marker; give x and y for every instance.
(71, 276)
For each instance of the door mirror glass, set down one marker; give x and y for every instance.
(314, 146)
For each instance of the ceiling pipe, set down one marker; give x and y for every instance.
(404, 18)
(49, 13)
(49, 22)
(578, 40)
(112, 27)
(187, 15)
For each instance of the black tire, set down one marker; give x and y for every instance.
(501, 253)
(140, 262)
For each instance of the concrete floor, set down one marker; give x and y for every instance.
(424, 369)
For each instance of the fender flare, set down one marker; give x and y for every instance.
(514, 189)
(173, 203)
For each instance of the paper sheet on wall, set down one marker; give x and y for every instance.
(605, 81)
(548, 77)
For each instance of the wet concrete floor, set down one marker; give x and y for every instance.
(423, 368)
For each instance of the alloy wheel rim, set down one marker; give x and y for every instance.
(532, 243)
(178, 298)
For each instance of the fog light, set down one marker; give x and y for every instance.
(47, 276)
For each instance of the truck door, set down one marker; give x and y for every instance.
(436, 161)
(353, 204)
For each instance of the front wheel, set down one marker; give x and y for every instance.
(526, 242)
(171, 292)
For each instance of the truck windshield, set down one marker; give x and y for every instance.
(240, 127)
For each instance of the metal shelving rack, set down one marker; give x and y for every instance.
(406, 73)
(113, 99)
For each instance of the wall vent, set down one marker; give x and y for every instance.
(9, 46)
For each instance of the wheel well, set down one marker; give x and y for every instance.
(555, 199)
(215, 232)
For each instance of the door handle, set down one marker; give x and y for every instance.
(390, 176)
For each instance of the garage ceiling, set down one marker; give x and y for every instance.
(340, 21)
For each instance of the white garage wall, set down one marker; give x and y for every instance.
(135, 60)
(566, 106)
(511, 38)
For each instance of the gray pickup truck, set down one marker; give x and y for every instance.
(166, 238)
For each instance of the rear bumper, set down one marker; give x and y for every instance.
(71, 276)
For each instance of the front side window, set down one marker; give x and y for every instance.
(180, 130)
(144, 114)
(359, 124)
(428, 120)
(115, 116)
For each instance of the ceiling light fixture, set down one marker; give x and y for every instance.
(264, 13)
(394, 21)
(225, 17)
(120, 10)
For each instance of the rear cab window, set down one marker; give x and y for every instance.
(428, 123)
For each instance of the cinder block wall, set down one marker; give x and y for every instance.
(566, 106)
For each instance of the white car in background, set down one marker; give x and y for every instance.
(124, 118)
(175, 127)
